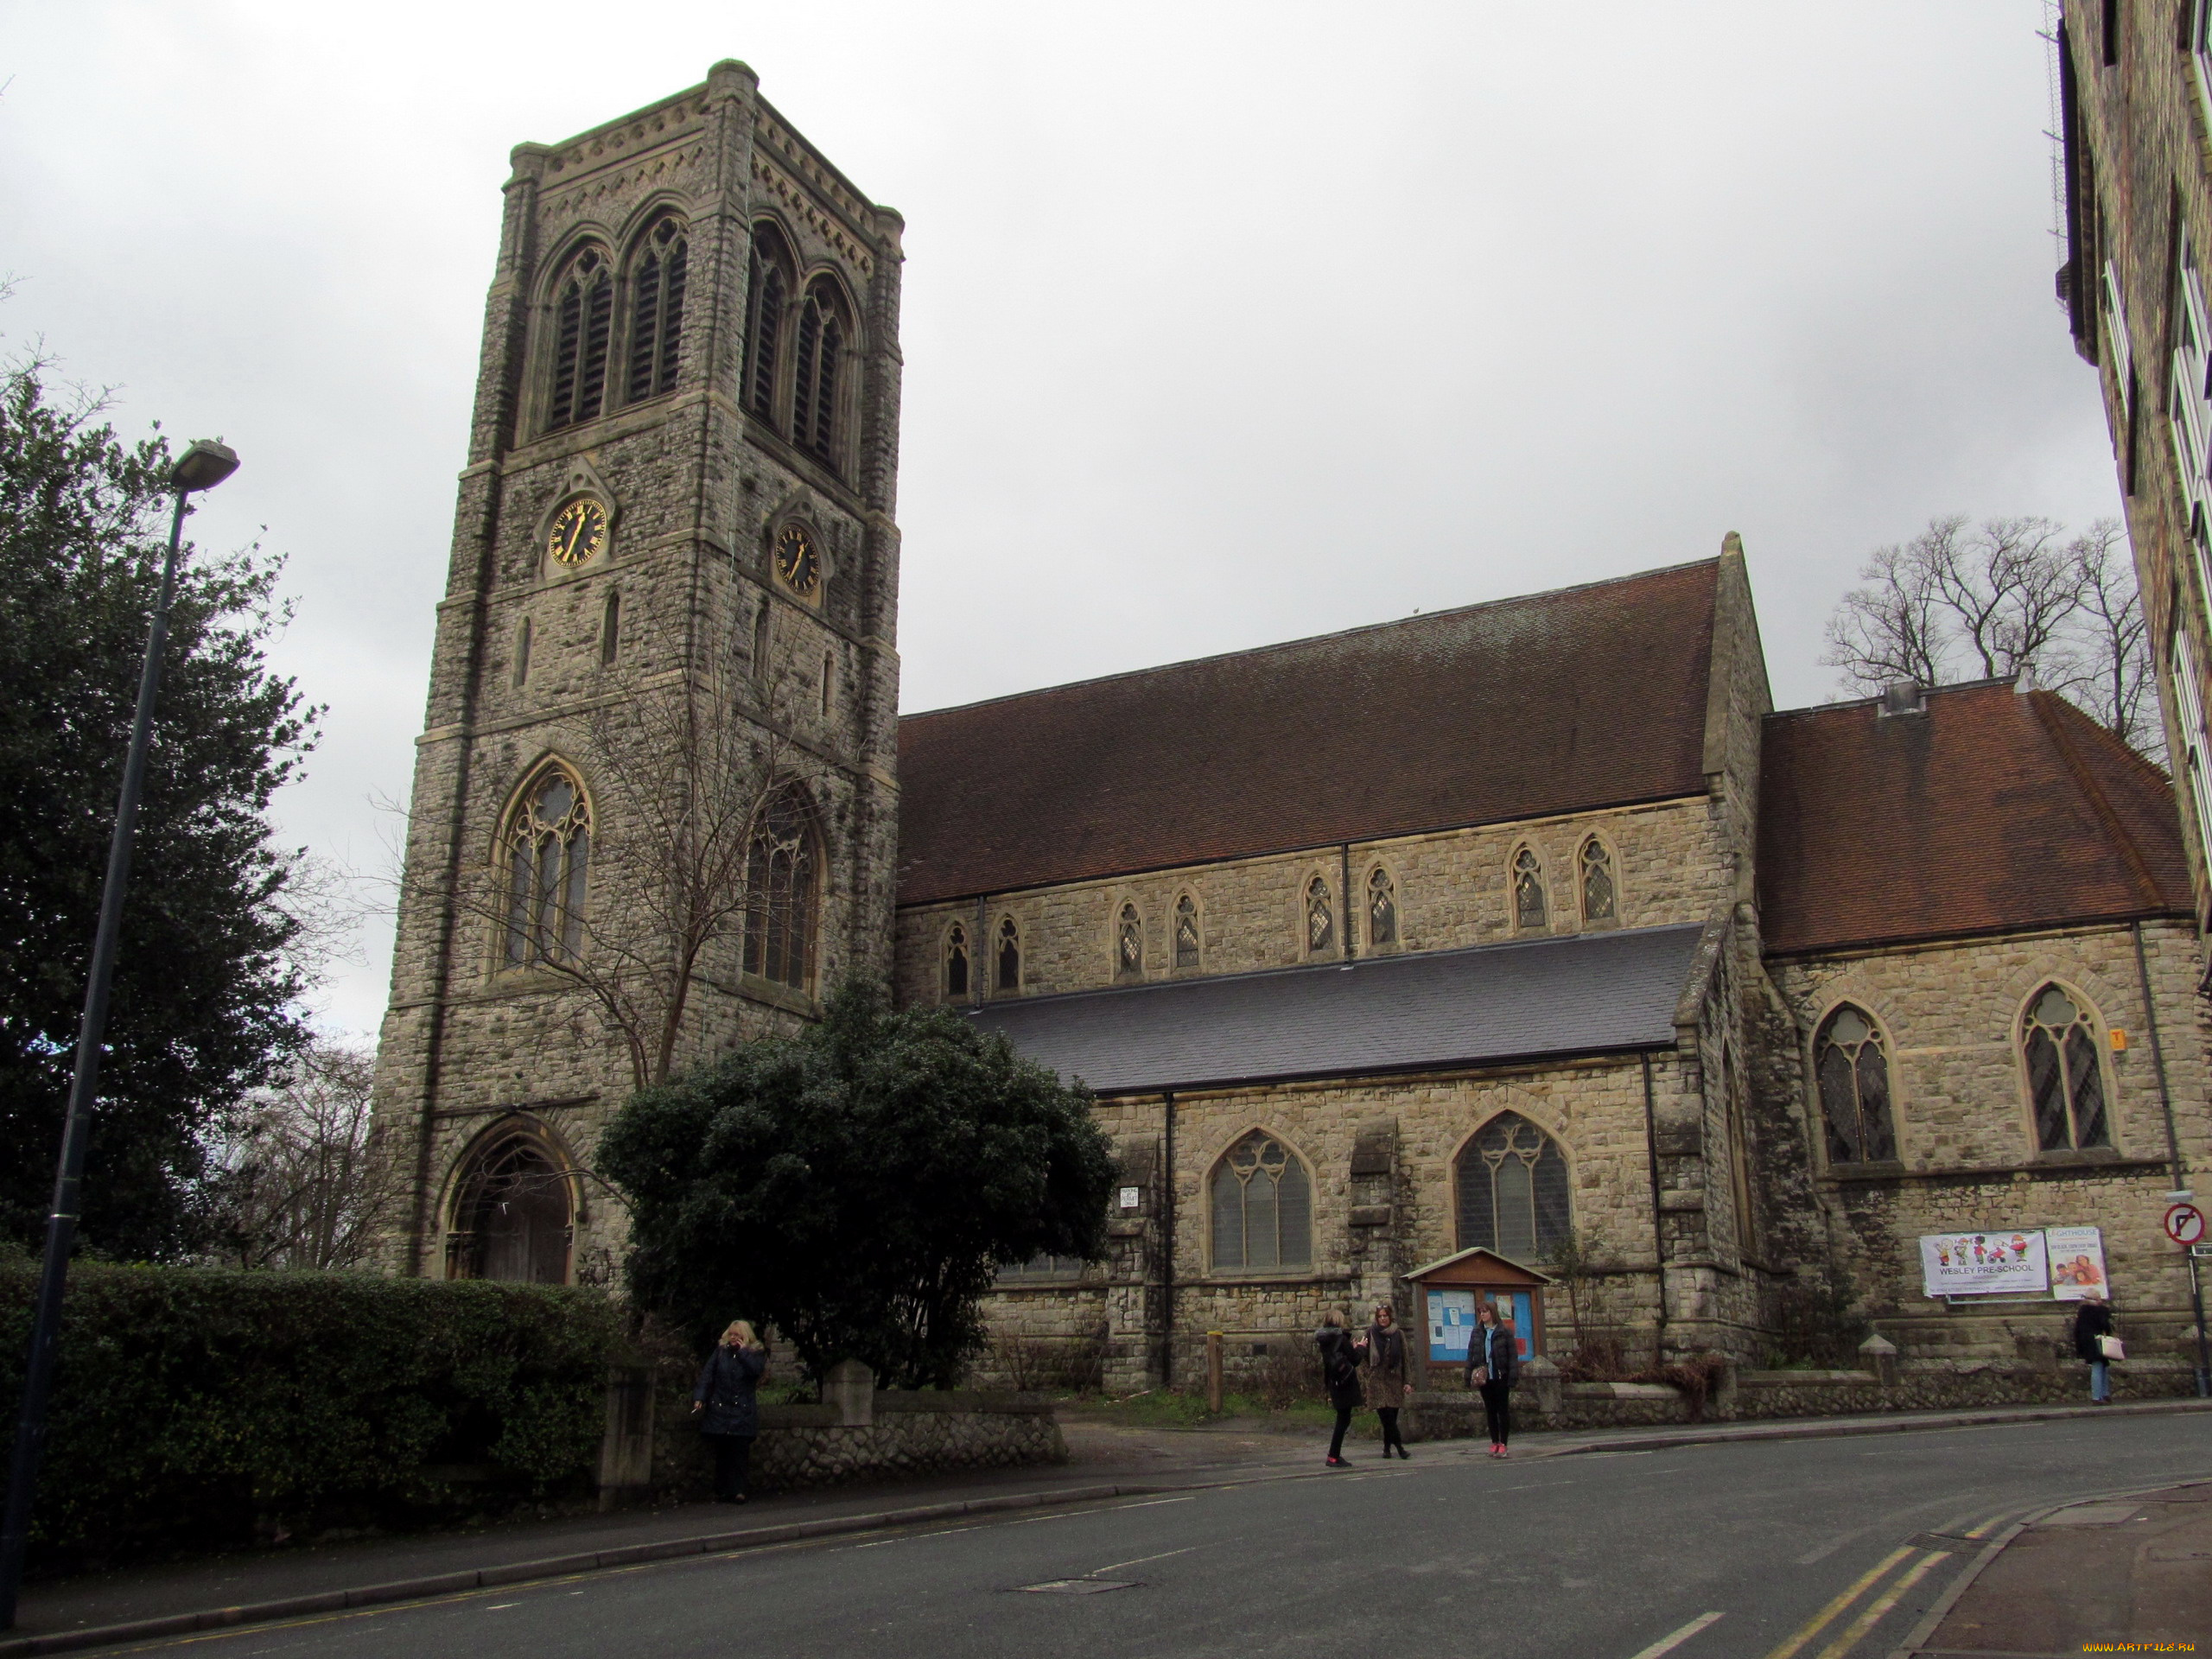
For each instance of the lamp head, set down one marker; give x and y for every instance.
(203, 467)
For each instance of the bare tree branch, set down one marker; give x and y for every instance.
(300, 1187)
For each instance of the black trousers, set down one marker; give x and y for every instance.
(1497, 1410)
(733, 1455)
(1390, 1436)
(1336, 1440)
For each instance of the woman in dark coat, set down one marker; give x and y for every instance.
(1340, 1357)
(728, 1413)
(1386, 1375)
(1493, 1367)
(2092, 1320)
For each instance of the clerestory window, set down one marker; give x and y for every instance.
(1009, 977)
(1598, 891)
(1128, 944)
(1321, 918)
(1382, 909)
(1186, 932)
(1529, 910)
(955, 961)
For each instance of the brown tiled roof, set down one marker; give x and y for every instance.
(1563, 702)
(1990, 811)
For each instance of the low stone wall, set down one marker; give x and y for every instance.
(907, 1434)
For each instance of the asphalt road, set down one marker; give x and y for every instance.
(1773, 1550)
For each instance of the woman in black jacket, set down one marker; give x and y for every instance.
(728, 1413)
(1493, 1367)
(2093, 1320)
(1340, 1357)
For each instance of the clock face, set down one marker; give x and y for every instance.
(797, 561)
(579, 535)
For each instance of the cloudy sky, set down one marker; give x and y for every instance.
(1225, 323)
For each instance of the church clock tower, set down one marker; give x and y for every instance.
(654, 810)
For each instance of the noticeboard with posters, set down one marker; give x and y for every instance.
(2077, 1262)
(2000, 1262)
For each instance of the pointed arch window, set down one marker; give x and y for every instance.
(547, 856)
(782, 893)
(583, 329)
(955, 961)
(656, 309)
(817, 360)
(1382, 908)
(1853, 1069)
(1263, 1207)
(1513, 1190)
(769, 296)
(2065, 1077)
(1599, 894)
(1128, 944)
(511, 1218)
(1009, 977)
(1321, 918)
(1186, 932)
(1528, 907)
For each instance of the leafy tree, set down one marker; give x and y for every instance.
(204, 988)
(858, 1185)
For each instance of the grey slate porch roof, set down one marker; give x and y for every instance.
(1587, 994)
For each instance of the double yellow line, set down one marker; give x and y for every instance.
(1887, 1592)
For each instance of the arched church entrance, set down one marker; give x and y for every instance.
(512, 1216)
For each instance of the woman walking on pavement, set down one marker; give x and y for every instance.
(2092, 1332)
(1340, 1357)
(1386, 1375)
(1493, 1367)
(732, 1413)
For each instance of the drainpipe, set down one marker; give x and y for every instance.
(1167, 1244)
(2173, 1154)
(1658, 1219)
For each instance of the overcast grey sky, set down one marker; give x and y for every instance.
(1225, 323)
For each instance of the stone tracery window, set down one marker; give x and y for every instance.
(1382, 908)
(1261, 1201)
(1186, 932)
(817, 362)
(2066, 1079)
(1529, 910)
(1513, 1190)
(1853, 1069)
(955, 961)
(1320, 918)
(511, 1217)
(657, 273)
(1128, 944)
(583, 329)
(1598, 890)
(548, 854)
(769, 297)
(782, 893)
(1009, 977)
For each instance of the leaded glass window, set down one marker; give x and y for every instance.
(1382, 909)
(780, 893)
(1128, 944)
(1597, 882)
(1513, 1190)
(2066, 1079)
(1009, 956)
(1528, 907)
(1263, 1205)
(583, 329)
(955, 961)
(548, 853)
(511, 1217)
(1320, 918)
(656, 310)
(1855, 1076)
(1186, 932)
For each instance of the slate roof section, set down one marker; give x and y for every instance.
(1563, 702)
(1993, 811)
(1592, 993)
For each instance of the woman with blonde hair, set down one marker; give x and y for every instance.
(1340, 1357)
(731, 1416)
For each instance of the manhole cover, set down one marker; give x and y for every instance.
(1076, 1587)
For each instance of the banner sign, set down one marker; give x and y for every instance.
(2077, 1262)
(1999, 1262)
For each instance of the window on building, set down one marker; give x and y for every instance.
(2198, 19)
(548, 856)
(829, 683)
(1128, 944)
(768, 299)
(2108, 32)
(656, 310)
(760, 640)
(584, 325)
(1009, 956)
(1598, 893)
(522, 653)
(1854, 1080)
(2196, 768)
(1041, 1266)
(1321, 918)
(1382, 909)
(510, 1214)
(1263, 1207)
(817, 362)
(2066, 1078)
(2188, 404)
(955, 961)
(1513, 1190)
(1186, 932)
(781, 894)
(610, 631)
(1528, 906)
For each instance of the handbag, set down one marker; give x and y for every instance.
(2111, 1347)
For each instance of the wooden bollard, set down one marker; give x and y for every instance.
(1213, 1372)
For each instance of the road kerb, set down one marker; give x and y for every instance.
(1816, 1428)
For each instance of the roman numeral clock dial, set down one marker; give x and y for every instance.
(797, 561)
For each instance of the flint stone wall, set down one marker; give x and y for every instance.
(904, 1434)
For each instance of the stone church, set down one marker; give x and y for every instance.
(1505, 927)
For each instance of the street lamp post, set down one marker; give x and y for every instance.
(203, 467)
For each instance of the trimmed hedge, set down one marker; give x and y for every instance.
(199, 1408)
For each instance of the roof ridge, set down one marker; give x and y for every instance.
(2138, 868)
(1868, 702)
(1315, 639)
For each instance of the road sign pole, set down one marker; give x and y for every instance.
(2197, 1307)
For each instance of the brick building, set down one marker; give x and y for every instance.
(1485, 928)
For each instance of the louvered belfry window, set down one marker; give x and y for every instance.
(2066, 1078)
(1855, 1077)
(656, 311)
(1528, 907)
(771, 293)
(1513, 1190)
(1263, 1203)
(1320, 918)
(816, 365)
(583, 329)
(780, 895)
(548, 855)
